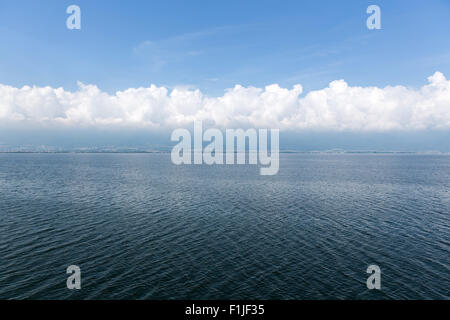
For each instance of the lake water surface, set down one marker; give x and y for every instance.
(140, 227)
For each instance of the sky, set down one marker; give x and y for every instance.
(302, 66)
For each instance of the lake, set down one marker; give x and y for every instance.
(140, 227)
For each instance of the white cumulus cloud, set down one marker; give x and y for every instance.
(338, 107)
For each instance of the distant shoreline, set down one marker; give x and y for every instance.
(283, 152)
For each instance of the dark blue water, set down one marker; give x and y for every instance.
(142, 228)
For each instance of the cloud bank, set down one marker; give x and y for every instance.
(338, 107)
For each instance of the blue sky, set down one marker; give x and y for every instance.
(213, 45)
(394, 91)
